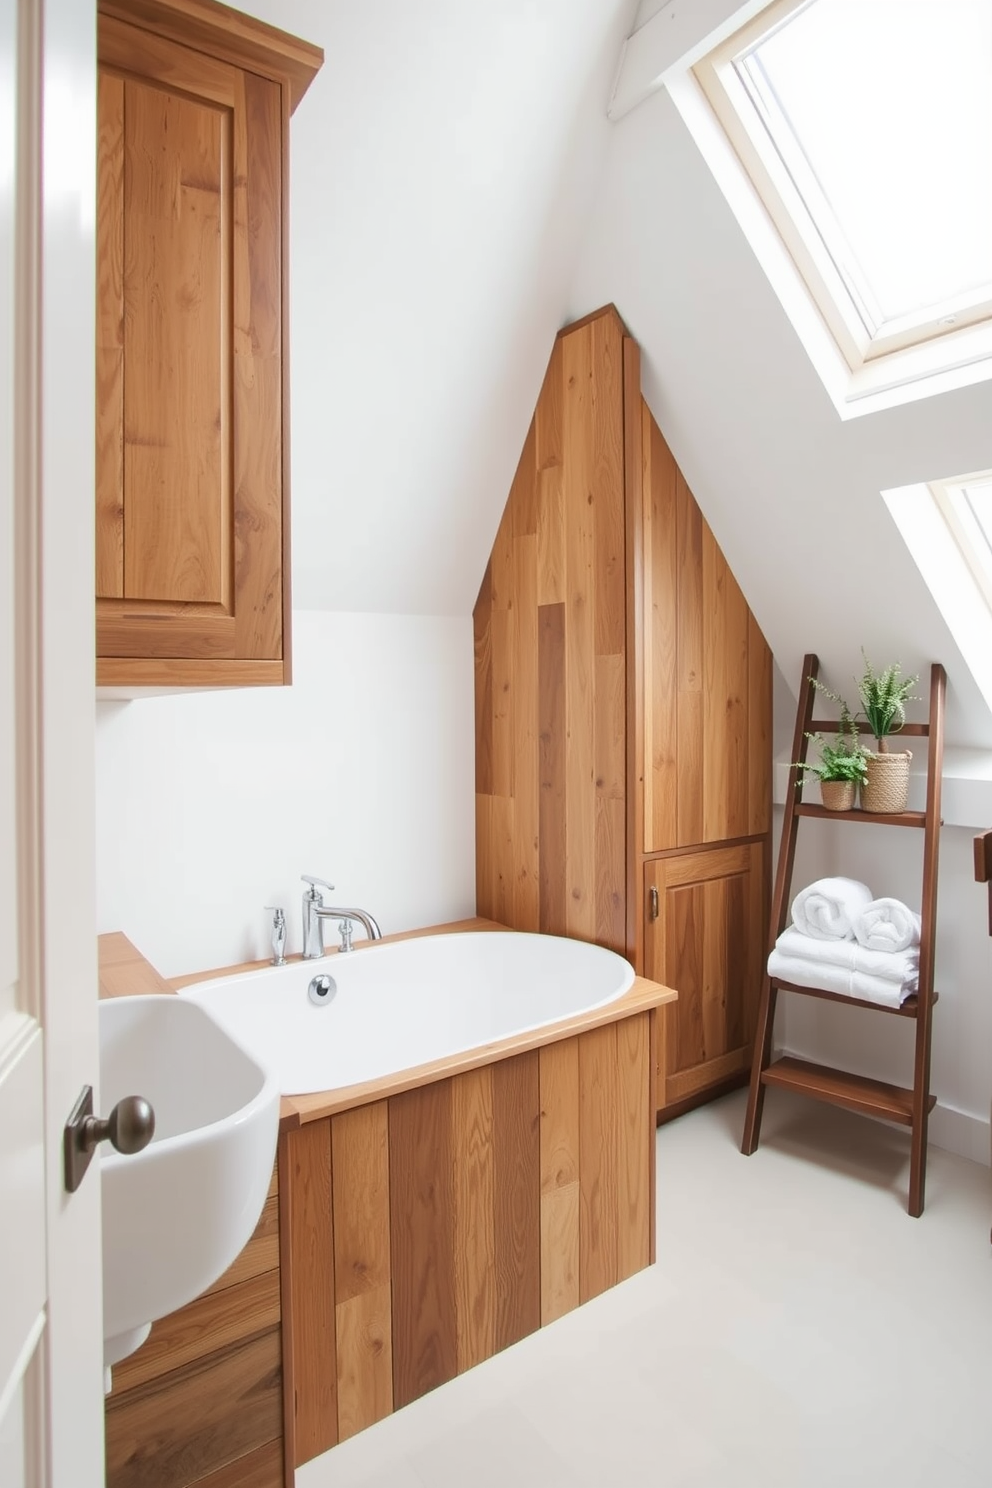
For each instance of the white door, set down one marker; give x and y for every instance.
(51, 1415)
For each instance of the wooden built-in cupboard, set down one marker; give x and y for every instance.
(192, 440)
(623, 715)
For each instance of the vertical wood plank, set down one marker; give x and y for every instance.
(759, 730)
(485, 897)
(517, 1196)
(599, 1114)
(504, 685)
(526, 728)
(110, 337)
(365, 1366)
(257, 382)
(502, 838)
(606, 486)
(579, 419)
(523, 503)
(550, 484)
(662, 606)
(725, 783)
(690, 666)
(482, 631)
(360, 1195)
(610, 802)
(552, 735)
(559, 1089)
(421, 1201)
(635, 1145)
(306, 1186)
(360, 1165)
(474, 1217)
(634, 663)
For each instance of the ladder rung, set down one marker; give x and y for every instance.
(853, 1092)
(910, 730)
(884, 818)
(908, 1009)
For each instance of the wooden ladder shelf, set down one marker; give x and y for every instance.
(909, 1106)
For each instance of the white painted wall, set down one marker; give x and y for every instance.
(211, 805)
(444, 165)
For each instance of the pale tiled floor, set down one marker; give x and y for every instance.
(798, 1331)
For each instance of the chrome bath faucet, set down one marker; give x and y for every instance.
(315, 912)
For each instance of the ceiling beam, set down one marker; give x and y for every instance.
(679, 34)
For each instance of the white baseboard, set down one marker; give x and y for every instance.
(961, 1132)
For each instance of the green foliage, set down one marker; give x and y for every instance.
(846, 759)
(884, 696)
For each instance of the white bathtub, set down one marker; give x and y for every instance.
(408, 1003)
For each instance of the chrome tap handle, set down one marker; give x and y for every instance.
(278, 934)
(316, 884)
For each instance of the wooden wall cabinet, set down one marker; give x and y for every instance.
(624, 714)
(192, 470)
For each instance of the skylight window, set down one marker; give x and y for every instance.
(966, 507)
(866, 128)
(947, 526)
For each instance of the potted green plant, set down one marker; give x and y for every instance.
(884, 696)
(842, 766)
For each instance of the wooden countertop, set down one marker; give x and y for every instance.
(124, 971)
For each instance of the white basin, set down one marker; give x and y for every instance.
(178, 1213)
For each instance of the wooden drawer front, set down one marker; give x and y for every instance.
(175, 1430)
(708, 943)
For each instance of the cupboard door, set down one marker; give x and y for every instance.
(707, 941)
(189, 358)
(706, 674)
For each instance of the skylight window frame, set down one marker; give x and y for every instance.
(952, 502)
(772, 157)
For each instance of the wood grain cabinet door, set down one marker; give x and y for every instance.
(707, 941)
(190, 499)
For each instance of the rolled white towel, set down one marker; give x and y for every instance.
(887, 925)
(889, 966)
(826, 909)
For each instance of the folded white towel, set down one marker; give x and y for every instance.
(887, 925)
(826, 909)
(888, 966)
(834, 978)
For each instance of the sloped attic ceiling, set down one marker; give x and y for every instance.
(443, 169)
(791, 491)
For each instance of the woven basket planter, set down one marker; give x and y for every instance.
(887, 787)
(838, 795)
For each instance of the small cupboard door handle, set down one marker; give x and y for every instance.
(652, 903)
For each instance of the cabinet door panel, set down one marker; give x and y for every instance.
(190, 466)
(177, 416)
(707, 941)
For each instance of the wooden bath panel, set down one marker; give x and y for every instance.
(427, 1231)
